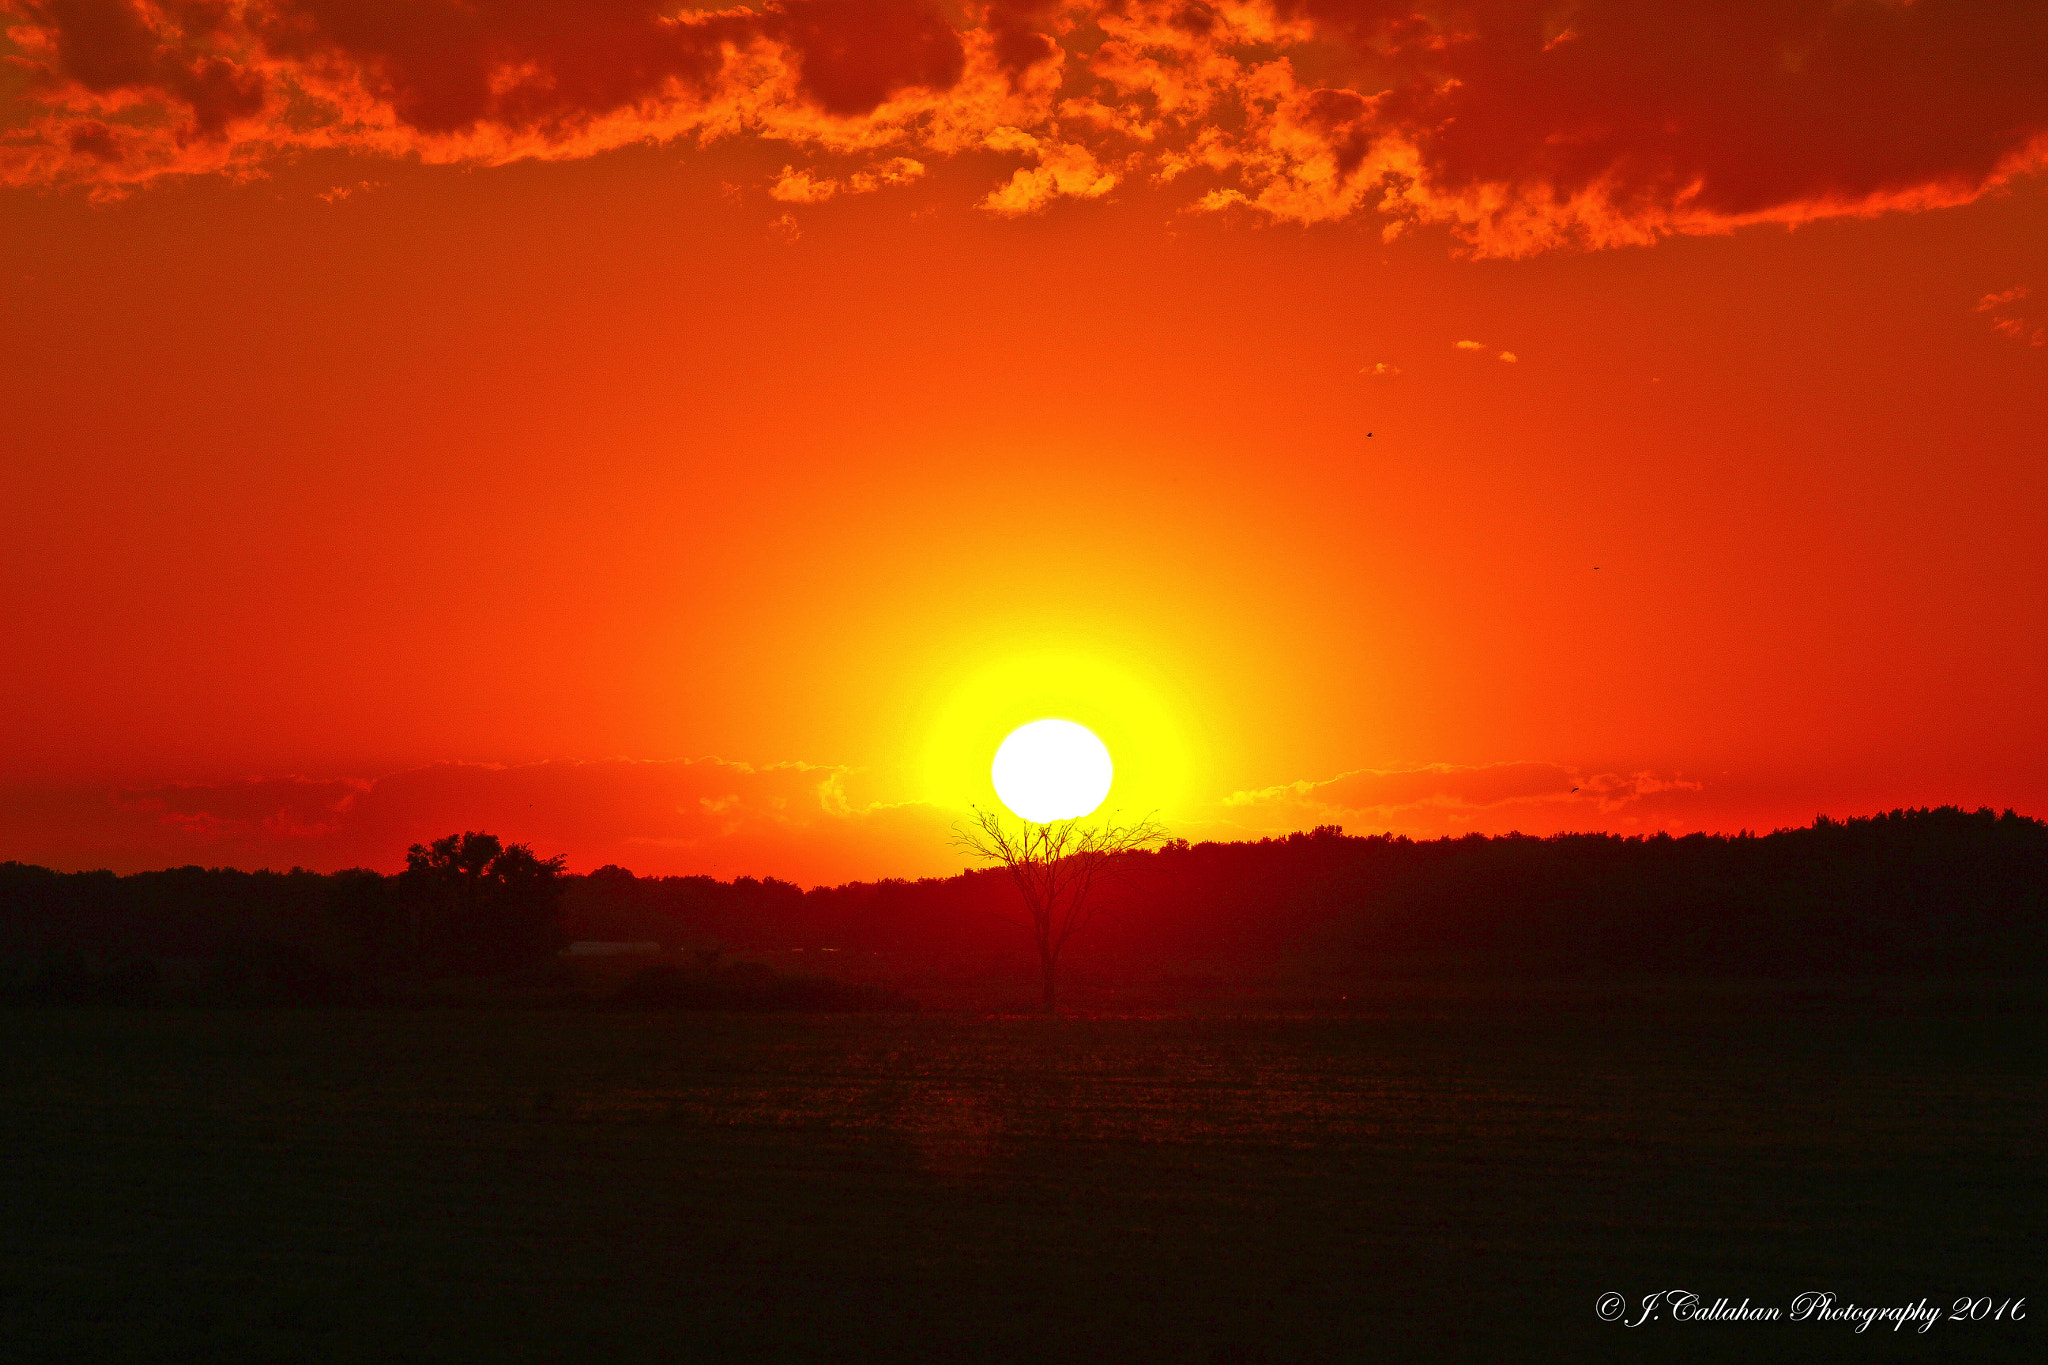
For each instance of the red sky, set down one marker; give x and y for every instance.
(681, 438)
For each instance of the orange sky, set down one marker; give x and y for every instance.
(633, 430)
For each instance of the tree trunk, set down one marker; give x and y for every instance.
(1046, 961)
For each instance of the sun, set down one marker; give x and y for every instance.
(1136, 708)
(1052, 770)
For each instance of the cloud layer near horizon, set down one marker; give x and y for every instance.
(708, 816)
(1522, 126)
(803, 822)
(1441, 799)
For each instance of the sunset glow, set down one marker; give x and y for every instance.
(692, 439)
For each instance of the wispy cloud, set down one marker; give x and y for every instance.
(795, 186)
(2010, 316)
(1442, 798)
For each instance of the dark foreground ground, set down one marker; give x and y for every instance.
(1446, 1174)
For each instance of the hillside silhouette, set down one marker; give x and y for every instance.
(1911, 893)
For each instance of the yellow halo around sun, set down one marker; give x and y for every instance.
(1052, 770)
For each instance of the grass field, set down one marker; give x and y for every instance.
(1442, 1175)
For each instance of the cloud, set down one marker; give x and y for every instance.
(801, 821)
(2011, 320)
(1381, 367)
(1519, 125)
(896, 171)
(341, 192)
(801, 187)
(1509, 357)
(1064, 170)
(1469, 345)
(1441, 798)
(121, 92)
(797, 187)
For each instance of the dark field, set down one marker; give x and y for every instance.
(1444, 1175)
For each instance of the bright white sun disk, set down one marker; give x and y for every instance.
(1052, 770)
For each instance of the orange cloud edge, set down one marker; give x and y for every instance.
(1517, 134)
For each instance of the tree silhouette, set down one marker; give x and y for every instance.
(1057, 867)
(480, 905)
(1926, 894)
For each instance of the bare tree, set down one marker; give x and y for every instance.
(1058, 867)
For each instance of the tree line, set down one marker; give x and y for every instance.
(1910, 892)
